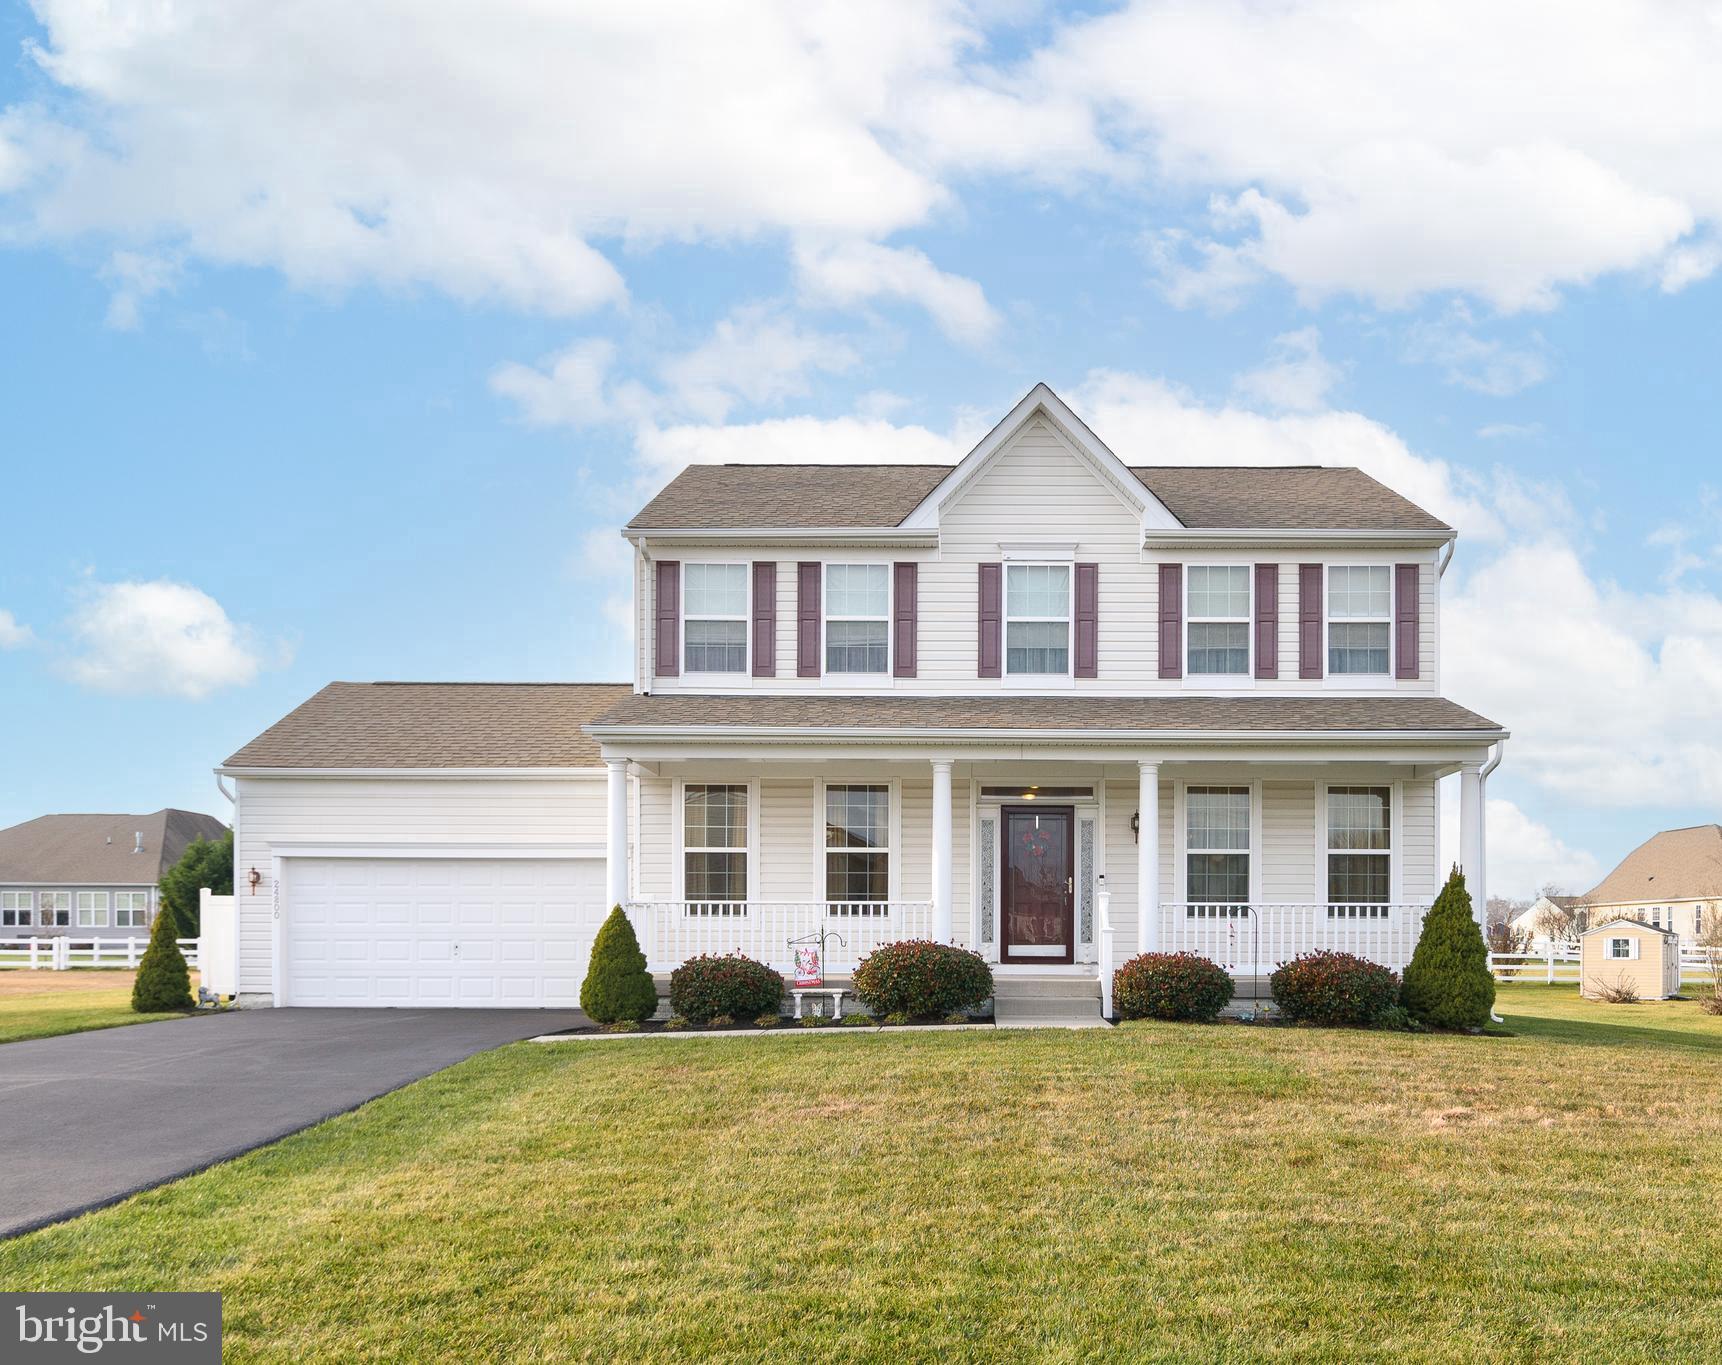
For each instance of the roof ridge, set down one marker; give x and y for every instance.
(434, 682)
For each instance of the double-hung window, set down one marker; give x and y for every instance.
(1037, 618)
(857, 618)
(1216, 851)
(857, 849)
(16, 909)
(1359, 851)
(92, 909)
(55, 908)
(131, 909)
(1218, 611)
(714, 618)
(1359, 618)
(714, 846)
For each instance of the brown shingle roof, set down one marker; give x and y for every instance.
(1135, 714)
(436, 725)
(806, 496)
(1677, 864)
(97, 849)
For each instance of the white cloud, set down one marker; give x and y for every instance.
(568, 388)
(135, 278)
(13, 633)
(1483, 365)
(1507, 431)
(159, 637)
(856, 272)
(1296, 378)
(1524, 854)
(757, 356)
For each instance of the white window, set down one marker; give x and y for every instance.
(1359, 618)
(16, 909)
(1697, 920)
(1216, 849)
(857, 848)
(1359, 848)
(92, 909)
(857, 618)
(1037, 618)
(714, 618)
(1217, 620)
(714, 843)
(56, 909)
(1623, 947)
(131, 909)
(1656, 917)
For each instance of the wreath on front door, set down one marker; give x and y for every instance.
(1036, 842)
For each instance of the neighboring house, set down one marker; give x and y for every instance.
(1673, 880)
(1549, 919)
(91, 876)
(1043, 704)
(1629, 955)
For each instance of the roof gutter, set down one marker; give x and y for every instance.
(417, 774)
(894, 535)
(820, 734)
(1257, 535)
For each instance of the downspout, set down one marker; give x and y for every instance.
(1446, 558)
(221, 786)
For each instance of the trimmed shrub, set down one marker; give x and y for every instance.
(163, 981)
(920, 978)
(617, 984)
(706, 986)
(1335, 989)
(1171, 986)
(1448, 984)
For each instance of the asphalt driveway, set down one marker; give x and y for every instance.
(88, 1118)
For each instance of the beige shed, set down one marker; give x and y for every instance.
(1627, 952)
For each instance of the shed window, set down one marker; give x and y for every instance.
(1622, 947)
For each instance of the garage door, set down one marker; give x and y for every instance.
(464, 932)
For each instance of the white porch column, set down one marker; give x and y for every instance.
(616, 832)
(1471, 836)
(1148, 855)
(942, 923)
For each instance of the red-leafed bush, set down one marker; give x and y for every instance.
(920, 978)
(705, 987)
(1170, 986)
(1334, 989)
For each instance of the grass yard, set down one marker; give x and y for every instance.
(38, 1004)
(1154, 1192)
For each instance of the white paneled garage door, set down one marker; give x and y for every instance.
(466, 932)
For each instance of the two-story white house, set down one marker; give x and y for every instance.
(1043, 703)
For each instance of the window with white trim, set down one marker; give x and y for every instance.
(54, 909)
(1359, 619)
(131, 909)
(1216, 851)
(1217, 620)
(857, 618)
(714, 618)
(1359, 851)
(17, 909)
(1623, 948)
(1037, 618)
(714, 842)
(92, 909)
(857, 849)
(1656, 917)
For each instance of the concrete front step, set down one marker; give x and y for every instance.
(1067, 988)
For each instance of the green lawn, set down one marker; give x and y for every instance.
(39, 1004)
(1152, 1192)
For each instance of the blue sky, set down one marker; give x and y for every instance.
(351, 372)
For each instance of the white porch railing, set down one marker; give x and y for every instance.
(671, 932)
(60, 953)
(1254, 939)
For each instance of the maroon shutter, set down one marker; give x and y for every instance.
(1406, 581)
(807, 620)
(1088, 620)
(1309, 662)
(669, 618)
(905, 618)
(1171, 620)
(764, 620)
(991, 620)
(1267, 620)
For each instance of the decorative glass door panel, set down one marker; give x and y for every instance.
(1039, 892)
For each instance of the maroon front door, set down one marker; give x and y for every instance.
(1039, 909)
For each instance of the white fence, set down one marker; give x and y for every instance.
(1254, 939)
(61, 953)
(1560, 964)
(671, 932)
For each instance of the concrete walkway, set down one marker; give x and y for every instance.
(88, 1118)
